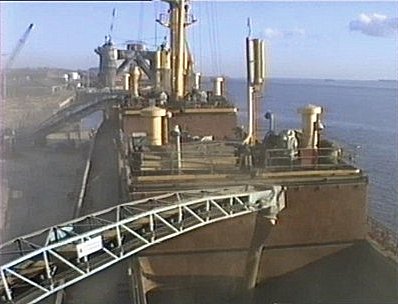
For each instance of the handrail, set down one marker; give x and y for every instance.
(225, 160)
(382, 235)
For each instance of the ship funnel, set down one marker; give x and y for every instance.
(271, 118)
(218, 86)
(153, 119)
(134, 81)
(126, 81)
(310, 116)
(197, 81)
(163, 69)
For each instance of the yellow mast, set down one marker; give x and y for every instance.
(181, 58)
(179, 81)
(177, 22)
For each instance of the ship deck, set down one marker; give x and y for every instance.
(215, 163)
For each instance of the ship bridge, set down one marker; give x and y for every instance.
(43, 263)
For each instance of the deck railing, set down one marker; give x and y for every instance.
(227, 161)
(385, 237)
(304, 159)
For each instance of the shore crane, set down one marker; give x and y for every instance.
(19, 46)
(17, 49)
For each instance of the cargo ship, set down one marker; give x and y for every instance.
(165, 134)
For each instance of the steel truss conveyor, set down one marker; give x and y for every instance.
(42, 263)
(77, 111)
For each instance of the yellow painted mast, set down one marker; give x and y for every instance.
(176, 25)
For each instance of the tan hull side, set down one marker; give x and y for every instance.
(316, 214)
(318, 221)
(221, 236)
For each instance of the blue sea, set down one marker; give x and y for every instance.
(360, 115)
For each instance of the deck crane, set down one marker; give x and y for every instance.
(19, 46)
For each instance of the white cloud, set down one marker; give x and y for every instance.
(374, 25)
(271, 33)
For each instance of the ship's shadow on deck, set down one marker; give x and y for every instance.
(103, 182)
(358, 274)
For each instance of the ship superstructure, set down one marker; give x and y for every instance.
(176, 136)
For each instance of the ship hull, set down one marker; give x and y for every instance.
(320, 237)
(319, 220)
(325, 215)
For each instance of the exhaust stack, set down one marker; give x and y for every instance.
(255, 60)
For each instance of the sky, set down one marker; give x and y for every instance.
(337, 40)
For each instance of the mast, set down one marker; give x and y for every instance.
(250, 80)
(180, 50)
(177, 22)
